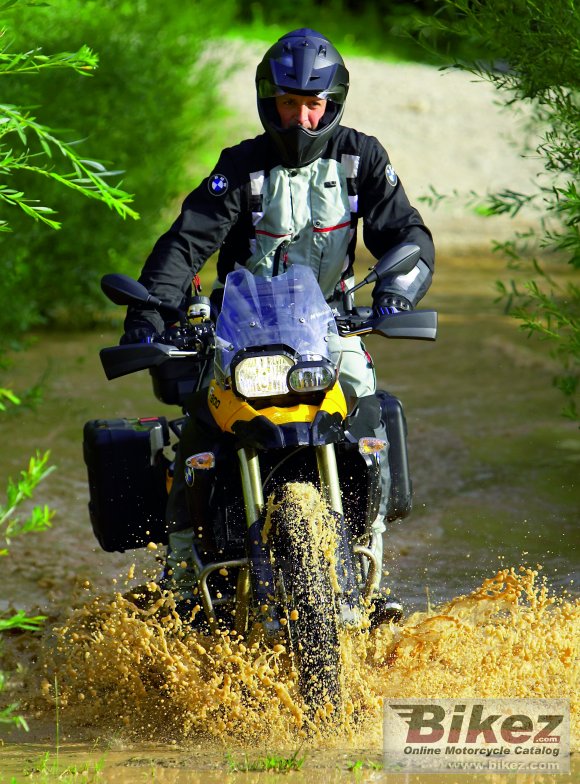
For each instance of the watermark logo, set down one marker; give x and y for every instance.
(468, 735)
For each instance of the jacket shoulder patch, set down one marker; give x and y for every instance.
(218, 184)
(391, 175)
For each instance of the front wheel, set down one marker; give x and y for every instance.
(305, 539)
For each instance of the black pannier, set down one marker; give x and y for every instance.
(127, 481)
(401, 495)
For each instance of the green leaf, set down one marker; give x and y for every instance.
(23, 622)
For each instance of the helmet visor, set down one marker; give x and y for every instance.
(267, 89)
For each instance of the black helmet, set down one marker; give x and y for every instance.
(302, 62)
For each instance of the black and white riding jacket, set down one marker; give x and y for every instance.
(264, 216)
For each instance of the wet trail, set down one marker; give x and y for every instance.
(495, 474)
(145, 673)
(126, 676)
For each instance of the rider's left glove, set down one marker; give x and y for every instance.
(139, 335)
(389, 304)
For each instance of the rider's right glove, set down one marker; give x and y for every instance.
(139, 335)
(389, 304)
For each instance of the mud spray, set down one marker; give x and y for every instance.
(142, 674)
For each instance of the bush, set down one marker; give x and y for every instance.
(534, 59)
(13, 525)
(371, 28)
(19, 128)
(150, 111)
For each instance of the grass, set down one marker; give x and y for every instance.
(270, 762)
(49, 768)
(354, 767)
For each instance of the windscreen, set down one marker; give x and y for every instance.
(288, 310)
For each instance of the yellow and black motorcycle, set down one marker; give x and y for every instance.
(295, 489)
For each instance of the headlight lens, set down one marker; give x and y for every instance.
(311, 376)
(262, 376)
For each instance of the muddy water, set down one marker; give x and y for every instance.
(496, 478)
(125, 676)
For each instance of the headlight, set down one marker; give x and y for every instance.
(262, 376)
(311, 376)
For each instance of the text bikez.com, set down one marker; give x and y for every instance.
(476, 734)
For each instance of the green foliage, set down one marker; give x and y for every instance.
(359, 765)
(9, 395)
(22, 621)
(31, 152)
(8, 713)
(534, 59)
(378, 28)
(37, 143)
(49, 767)
(86, 177)
(11, 524)
(152, 109)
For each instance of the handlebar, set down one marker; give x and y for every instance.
(187, 342)
(416, 324)
(199, 338)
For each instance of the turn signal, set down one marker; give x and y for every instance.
(201, 462)
(372, 446)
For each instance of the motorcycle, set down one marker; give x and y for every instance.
(294, 572)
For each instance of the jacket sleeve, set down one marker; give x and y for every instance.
(389, 219)
(207, 215)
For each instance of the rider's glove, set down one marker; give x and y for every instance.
(389, 304)
(139, 335)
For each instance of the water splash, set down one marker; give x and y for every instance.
(129, 664)
(142, 673)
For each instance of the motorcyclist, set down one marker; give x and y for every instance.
(293, 195)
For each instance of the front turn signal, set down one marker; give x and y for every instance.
(201, 462)
(372, 446)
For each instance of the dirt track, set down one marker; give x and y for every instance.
(440, 129)
(481, 435)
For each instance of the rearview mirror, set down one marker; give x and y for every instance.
(397, 261)
(123, 290)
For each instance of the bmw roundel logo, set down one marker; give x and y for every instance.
(189, 478)
(391, 175)
(218, 184)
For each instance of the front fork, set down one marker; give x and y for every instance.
(262, 578)
(252, 480)
(330, 488)
(328, 476)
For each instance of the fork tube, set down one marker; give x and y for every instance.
(261, 573)
(328, 473)
(251, 484)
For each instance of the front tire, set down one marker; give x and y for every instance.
(304, 547)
